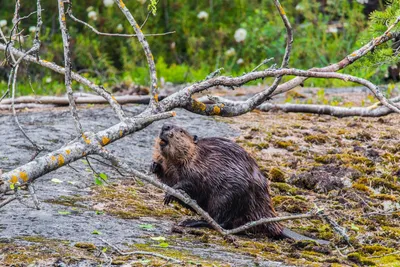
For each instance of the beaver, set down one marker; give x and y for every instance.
(221, 176)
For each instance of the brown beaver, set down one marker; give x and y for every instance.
(221, 176)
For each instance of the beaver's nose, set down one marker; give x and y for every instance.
(166, 127)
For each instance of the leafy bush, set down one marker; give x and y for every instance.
(206, 38)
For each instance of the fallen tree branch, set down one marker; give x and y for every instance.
(54, 100)
(327, 110)
(87, 144)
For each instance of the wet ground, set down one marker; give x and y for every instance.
(349, 167)
(23, 226)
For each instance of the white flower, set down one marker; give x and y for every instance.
(108, 3)
(3, 23)
(202, 15)
(299, 7)
(240, 61)
(92, 15)
(240, 35)
(48, 80)
(363, 1)
(90, 8)
(142, 1)
(332, 29)
(120, 28)
(32, 28)
(230, 52)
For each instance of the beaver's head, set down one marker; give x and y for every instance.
(176, 143)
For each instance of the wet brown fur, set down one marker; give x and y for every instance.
(220, 175)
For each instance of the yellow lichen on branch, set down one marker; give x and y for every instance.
(105, 140)
(87, 140)
(216, 110)
(68, 151)
(61, 160)
(121, 3)
(281, 10)
(198, 106)
(14, 179)
(23, 176)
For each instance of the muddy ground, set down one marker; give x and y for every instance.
(349, 167)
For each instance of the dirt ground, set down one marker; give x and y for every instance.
(349, 167)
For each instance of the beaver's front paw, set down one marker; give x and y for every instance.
(168, 198)
(155, 167)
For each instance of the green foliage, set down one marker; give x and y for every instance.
(204, 40)
(375, 64)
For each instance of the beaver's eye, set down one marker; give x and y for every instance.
(181, 131)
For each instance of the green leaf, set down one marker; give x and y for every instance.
(104, 249)
(95, 232)
(56, 181)
(103, 176)
(12, 186)
(98, 181)
(98, 212)
(163, 244)
(355, 228)
(61, 212)
(158, 238)
(85, 162)
(146, 226)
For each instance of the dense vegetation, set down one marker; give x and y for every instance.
(207, 37)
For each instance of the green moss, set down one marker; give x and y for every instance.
(276, 175)
(360, 136)
(87, 246)
(285, 144)
(361, 187)
(375, 182)
(372, 249)
(385, 197)
(259, 146)
(325, 159)
(69, 201)
(292, 204)
(284, 188)
(318, 139)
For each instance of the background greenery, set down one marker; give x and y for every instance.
(325, 32)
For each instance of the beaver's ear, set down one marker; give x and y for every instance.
(195, 139)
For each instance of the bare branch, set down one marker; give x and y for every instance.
(55, 100)
(89, 143)
(69, 12)
(14, 82)
(99, 90)
(183, 98)
(68, 66)
(327, 110)
(8, 200)
(147, 51)
(139, 252)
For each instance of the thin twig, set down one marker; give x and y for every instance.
(68, 67)
(69, 12)
(147, 52)
(139, 252)
(14, 82)
(32, 192)
(8, 200)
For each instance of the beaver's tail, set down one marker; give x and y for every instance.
(298, 237)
